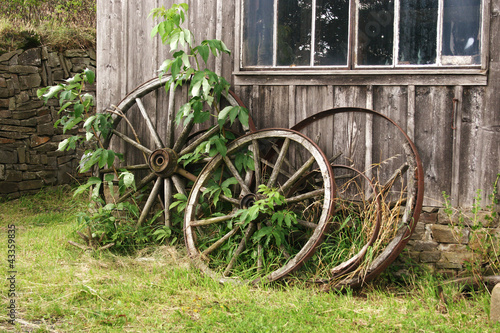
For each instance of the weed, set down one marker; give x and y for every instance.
(483, 243)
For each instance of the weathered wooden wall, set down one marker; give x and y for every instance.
(459, 144)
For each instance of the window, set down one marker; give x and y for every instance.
(361, 33)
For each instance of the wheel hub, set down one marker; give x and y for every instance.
(163, 162)
(248, 200)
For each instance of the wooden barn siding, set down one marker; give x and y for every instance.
(458, 161)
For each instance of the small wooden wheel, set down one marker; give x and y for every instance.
(144, 132)
(255, 216)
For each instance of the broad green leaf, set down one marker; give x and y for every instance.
(222, 116)
(204, 52)
(89, 121)
(72, 123)
(195, 88)
(128, 179)
(201, 117)
(185, 60)
(109, 177)
(103, 158)
(52, 91)
(64, 107)
(89, 75)
(111, 158)
(79, 109)
(155, 28)
(63, 144)
(243, 116)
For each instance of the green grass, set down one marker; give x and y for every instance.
(64, 289)
(59, 25)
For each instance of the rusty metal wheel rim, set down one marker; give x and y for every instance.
(415, 190)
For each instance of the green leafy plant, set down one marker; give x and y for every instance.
(107, 224)
(484, 243)
(76, 111)
(187, 63)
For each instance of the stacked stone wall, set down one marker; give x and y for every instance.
(29, 159)
(454, 244)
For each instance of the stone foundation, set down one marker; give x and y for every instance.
(29, 158)
(450, 244)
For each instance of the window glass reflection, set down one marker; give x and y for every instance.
(332, 32)
(294, 32)
(375, 32)
(461, 26)
(418, 32)
(258, 33)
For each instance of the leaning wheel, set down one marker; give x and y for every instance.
(255, 216)
(144, 133)
(390, 170)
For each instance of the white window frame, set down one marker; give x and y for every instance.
(449, 63)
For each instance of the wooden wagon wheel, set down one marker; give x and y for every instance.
(233, 228)
(389, 160)
(151, 147)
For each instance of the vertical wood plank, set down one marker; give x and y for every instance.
(369, 136)
(457, 131)
(410, 124)
(388, 153)
(434, 140)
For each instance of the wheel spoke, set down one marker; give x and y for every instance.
(279, 163)
(397, 174)
(273, 166)
(218, 243)
(167, 190)
(132, 142)
(307, 224)
(181, 141)
(287, 162)
(191, 147)
(256, 163)
(305, 196)
(170, 116)
(128, 168)
(298, 174)
(179, 186)
(218, 219)
(241, 182)
(138, 186)
(260, 252)
(149, 124)
(246, 238)
(149, 202)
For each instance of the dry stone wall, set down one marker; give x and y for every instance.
(29, 158)
(453, 244)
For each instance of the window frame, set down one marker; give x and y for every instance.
(352, 67)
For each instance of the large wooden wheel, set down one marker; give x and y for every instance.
(234, 228)
(144, 132)
(390, 177)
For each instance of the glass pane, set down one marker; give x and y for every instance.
(375, 32)
(332, 32)
(418, 32)
(258, 33)
(294, 32)
(461, 28)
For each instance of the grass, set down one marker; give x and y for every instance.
(60, 288)
(57, 24)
